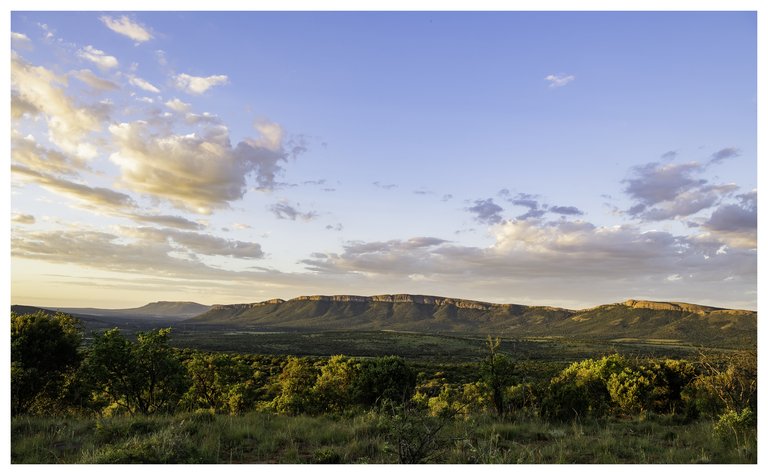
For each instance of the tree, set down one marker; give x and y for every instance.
(334, 383)
(387, 378)
(296, 382)
(44, 358)
(142, 377)
(496, 372)
(220, 382)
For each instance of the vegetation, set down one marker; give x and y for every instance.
(123, 400)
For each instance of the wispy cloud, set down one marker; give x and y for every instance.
(283, 210)
(724, 154)
(94, 81)
(23, 218)
(559, 80)
(142, 84)
(127, 27)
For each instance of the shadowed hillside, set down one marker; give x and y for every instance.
(633, 319)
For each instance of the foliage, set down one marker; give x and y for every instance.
(496, 372)
(333, 387)
(143, 377)
(222, 383)
(387, 378)
(44, 359)
(729, 387)
(296, 382)
(580, 389)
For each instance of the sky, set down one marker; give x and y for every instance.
(543, 158)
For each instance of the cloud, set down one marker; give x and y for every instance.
(486, 211)
(178, 105)
(95, 82)
(531, 257)
(19, 37)
(25, 151)
(98, 57)
(559, 80)
(566, 210)
(126, 27)
(383, 186)
(671, 155)
(724, 154)
(23, 218)
(669, 191)
(736, 224)
(198, 85)
(35, 91)
(165, 220)
(196, 172)
(283, 210)
(142, 84)
(95, 196)
(653, 183)
(198, 243)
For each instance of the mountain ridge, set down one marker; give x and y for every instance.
(630, 319)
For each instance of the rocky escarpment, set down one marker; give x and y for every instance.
(408, 298)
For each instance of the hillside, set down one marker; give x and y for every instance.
(161, 310)
(629, 320)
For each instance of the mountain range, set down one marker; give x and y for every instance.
(641, 320)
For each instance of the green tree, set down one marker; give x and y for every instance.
(44, 359)
(496, 371)
(223, 383)
(143, 377)
(387, 378)
(296, 383)
(333, 387)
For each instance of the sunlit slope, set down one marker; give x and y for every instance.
(642, 320)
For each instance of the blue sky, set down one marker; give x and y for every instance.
(552, 158)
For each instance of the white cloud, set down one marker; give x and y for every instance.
(36, 91)
(204, 169)
(98, 57)
(23, 218)
(20, 37)
(559, 80)
(142, 84)
(126, 27)
(198, 85)
(178, 105)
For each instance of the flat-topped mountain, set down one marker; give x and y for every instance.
(632, 319)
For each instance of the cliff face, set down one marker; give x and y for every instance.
(405, 298)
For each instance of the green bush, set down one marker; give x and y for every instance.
(387, 378)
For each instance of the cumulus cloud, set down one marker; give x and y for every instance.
(204, 169)
(142, 84)
(127, 27)
(23, 218)
(98, 57)
(486, 211)
(668, 191)
(36, 91)
(559, 80)
(198, 85)
(94, 81)
(530, 257)
(735, 223)
(284, 210)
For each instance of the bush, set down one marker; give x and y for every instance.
(44, 360)
(378, 380)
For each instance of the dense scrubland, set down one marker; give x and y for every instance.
(138, 399)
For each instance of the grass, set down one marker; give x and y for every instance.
(366, 437)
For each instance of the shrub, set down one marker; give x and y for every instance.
(387, 378)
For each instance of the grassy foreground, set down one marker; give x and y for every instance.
(370, 437)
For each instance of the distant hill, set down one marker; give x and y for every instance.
(633, 319)
(160, 310)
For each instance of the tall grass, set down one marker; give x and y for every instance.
(366, 437)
